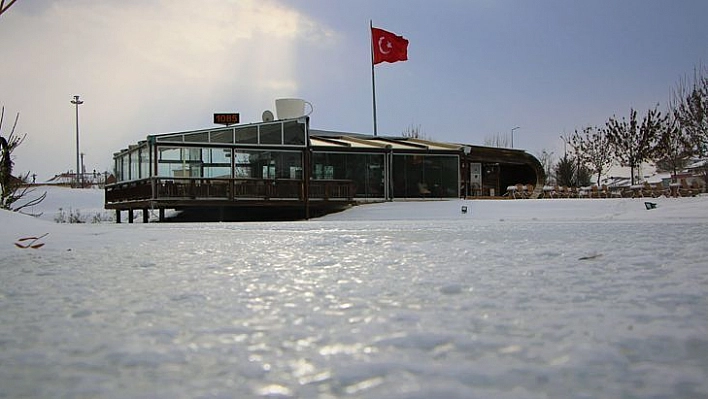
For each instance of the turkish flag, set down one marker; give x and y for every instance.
(388, 47)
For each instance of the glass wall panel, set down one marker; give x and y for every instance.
(223, 172)
(134, 165)
(242, 165)
(199, 137)
(271, 133)
(116, 168)
(121, 168)
(288, 165)
(365, 171)
(217, 162)
(268, 164)
(219, 155)
(425, 176)
(247, 135)
(169, 154)
(293, 133)
(171, 137)
(126, 166)
(144, 162)
(222, 136)
(450, 176)
(179, 162)
(257, 162)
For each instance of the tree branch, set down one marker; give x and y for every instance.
(3, 7)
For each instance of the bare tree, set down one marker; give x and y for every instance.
(13, 189)
(498, 141)
(674, 147)
(546, 159)
(593, 150)
(4, 6)
(689, 103)
(631, 142)
(414, 132)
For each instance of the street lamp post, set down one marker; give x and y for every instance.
(512, 135)
(77, 102)
(565, 145)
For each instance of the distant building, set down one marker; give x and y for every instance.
(88, 179)
(283, 169)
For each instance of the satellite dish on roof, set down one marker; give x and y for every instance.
(267, 116)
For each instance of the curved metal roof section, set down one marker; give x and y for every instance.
(330, 139)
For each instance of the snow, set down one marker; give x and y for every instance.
(562, 298)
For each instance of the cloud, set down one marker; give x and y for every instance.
(143, 67)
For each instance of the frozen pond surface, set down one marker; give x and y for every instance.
(452, 308)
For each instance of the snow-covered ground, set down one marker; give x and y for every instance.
(565, 298)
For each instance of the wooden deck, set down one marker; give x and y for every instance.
(229, 194)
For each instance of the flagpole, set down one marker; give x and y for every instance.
(373, 78)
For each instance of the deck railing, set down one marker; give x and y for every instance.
(158, 188)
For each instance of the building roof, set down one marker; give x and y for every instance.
(330, 139)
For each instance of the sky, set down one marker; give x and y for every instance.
(476, 68)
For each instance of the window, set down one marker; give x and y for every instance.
(134, 160)
(271, 133)
(365, 171)
(144, 162)
(242, 165)
(294, 133)
(198, 137)
(425, 176)
(179, 162)
(225, 136)
(217, 162)
(120, 174)
(268, 164)
(247, 135)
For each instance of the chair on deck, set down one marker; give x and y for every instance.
(674, 189)
(519, 191)
(696, 187)
(653, 190)
(548, 191)
(604, 191)
(594, 192)
(636, 191)
(573, 192)
(658, 190)
(615, 192)
(685, 189)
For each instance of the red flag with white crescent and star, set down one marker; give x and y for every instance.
(387, 46)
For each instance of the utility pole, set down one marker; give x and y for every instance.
(83, 169)
(77, 102)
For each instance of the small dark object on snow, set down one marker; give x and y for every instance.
(464, 209)
(650, 205)
(32, 240)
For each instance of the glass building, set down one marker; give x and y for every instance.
(284, 167)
